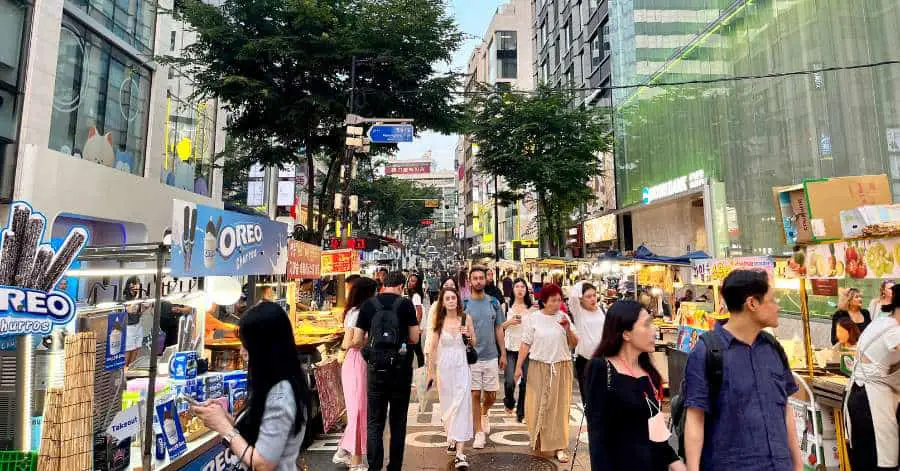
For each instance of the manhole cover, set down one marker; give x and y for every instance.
(509, 462)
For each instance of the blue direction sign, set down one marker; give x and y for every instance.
(391, 133)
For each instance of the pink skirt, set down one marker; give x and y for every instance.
(353, 377)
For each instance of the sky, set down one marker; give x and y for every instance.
(473, 17)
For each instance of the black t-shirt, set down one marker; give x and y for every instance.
(406, 313)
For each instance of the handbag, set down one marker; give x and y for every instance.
(471, 354)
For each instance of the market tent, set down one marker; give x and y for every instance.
(644, 254)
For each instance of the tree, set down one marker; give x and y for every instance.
(540, 142)
(283, 69)
(390, 204)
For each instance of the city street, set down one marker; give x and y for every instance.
(506, 449)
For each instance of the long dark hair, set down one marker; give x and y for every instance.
(455, 283)
(417, 289)
(268, 337)
(441, 311)
(360, 292)
(620, 318)
(528, 300)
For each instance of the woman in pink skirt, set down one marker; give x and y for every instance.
(352, 447)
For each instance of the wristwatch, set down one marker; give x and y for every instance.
(228, 437)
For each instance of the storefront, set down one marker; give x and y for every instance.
(600, 235)
(673, 217)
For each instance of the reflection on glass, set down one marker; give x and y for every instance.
(100, 102)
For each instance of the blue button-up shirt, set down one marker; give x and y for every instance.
(745, 426)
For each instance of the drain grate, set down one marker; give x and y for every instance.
(508, 462)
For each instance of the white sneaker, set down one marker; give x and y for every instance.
(461, 462)
(485, 424)
(341, 457)
(479, 441)
(359, 467)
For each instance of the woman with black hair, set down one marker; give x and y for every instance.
(268, 433)
(520, 307)
(138, 313)
(352, 446)
(626, 428)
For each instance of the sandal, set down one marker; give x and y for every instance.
(562, 457)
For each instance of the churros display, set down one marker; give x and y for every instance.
(24, 262)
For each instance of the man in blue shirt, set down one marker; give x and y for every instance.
(749, 424)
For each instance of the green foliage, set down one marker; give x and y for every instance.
(389, 203)
(283, 67)
(540, 142)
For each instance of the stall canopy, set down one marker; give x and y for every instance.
(644, 254)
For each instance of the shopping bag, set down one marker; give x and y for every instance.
(331, 393)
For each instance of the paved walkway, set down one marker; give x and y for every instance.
(506, 449)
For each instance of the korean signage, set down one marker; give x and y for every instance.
(403, 169)
(209, 241)
(31, 300)
(673, 187)
(303, 260)
(600, 229)
(711, 270)
(337, 262)
(652, 276)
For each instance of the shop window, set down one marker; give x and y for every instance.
(130, 20)
(100, 102)
(189, 135)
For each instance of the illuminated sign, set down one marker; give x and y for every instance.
(405, 169)
(673, 187)
(600, 229)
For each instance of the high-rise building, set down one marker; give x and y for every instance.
(424, 172)
(503, 59)
(572, 48)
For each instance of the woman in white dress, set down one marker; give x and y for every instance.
(447, 364)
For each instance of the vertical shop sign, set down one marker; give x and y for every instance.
(304, 260)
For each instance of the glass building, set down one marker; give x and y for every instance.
(699, 160)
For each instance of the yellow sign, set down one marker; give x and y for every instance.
(183, 149)
(432, 203)
(652, 276)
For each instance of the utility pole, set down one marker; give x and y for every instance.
(496, 231)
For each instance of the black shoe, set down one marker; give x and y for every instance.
(460, 462)
(451, 448)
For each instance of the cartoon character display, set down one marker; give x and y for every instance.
(124, 161)
(99, 148)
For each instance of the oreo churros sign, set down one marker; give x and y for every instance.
(29, 272)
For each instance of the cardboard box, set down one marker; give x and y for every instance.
(811, 211)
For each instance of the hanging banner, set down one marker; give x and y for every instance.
(337, 262)
(856, 259)
(715, 270)
(31, 300)
(115, 341)
(209, 241)
(652, 276)
(304, 260)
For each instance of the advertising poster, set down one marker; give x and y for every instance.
(219, 457)
(31, 298)
(304, 260)
(116, 326)
(209, 241)
(170, 424)
(336, 262)
(855, 259)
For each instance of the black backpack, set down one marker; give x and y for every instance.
(383, 349)
(715, 371)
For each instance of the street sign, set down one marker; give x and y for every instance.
(427, 222)
(354, 130)
(391, 133)
(432, 203)
(354, 142)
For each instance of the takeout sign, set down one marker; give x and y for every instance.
(339, 261)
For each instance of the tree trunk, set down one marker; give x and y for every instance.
(324, 204)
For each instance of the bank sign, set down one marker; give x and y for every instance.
(30, 271)
(208, 241)
(673, 187)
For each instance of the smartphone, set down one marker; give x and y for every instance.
(429, 385)
(190, 400)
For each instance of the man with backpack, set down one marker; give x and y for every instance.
(736, 387)
(390, 321)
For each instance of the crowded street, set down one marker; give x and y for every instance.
(449, 235)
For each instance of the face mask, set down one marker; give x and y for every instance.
(659, 431)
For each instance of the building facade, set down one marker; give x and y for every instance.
(572, 47)
(94, 144)
(503, 59)
(424, 172)
(696, 162)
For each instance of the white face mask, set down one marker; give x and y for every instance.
(659, 430)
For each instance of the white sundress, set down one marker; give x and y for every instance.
(454, 384)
